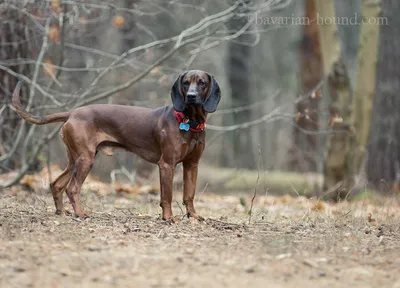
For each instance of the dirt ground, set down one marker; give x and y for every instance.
(290, 242)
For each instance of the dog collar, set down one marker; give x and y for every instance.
(187, 124)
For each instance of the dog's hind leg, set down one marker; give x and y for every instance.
(80, 139)
(57, 187)
(81, 168)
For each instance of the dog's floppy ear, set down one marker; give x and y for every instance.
(214, 96)
(176, 94)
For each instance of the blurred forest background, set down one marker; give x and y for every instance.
(309, 87)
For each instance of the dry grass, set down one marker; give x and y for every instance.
(290, 242)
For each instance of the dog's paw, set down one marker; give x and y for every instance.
(171, 220)
(63, 212)
(81, 217)
(194, 215)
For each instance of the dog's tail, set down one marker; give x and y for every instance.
(39, 120)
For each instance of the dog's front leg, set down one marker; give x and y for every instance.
(166, 185)
(189, 188)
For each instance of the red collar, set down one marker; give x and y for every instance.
(194, 126)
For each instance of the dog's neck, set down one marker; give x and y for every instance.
(196, 113)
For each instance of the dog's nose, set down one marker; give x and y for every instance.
(191, 97)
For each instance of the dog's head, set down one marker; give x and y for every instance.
(196, 87)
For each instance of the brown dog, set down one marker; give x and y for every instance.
(165, 136)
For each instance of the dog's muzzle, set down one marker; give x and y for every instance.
(191, 98)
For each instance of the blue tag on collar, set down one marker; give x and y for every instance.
(184, 126)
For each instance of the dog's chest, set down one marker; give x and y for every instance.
(191, 145)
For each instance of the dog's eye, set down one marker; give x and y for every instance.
(202, 83)
(186, 83)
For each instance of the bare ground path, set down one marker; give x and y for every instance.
(291, 242)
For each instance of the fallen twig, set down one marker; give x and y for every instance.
(258, 178)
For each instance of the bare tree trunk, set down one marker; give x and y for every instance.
(383, 165)
(338, 142)
(337, 96)
(304, 145)
(363, 98)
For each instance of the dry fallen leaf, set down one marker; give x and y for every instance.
(28, 181)
(126, 188)
(118, 21)
(54, 33)
(319, 206)
(149, 189)
(370, 219)
(285, 199)
(55, 6)
(49, 69)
